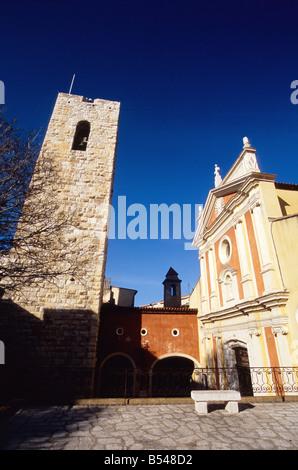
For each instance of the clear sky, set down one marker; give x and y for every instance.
(193, 78)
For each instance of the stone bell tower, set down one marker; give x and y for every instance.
(80, 142)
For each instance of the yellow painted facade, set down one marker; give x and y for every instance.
(284, 232)
(248, 285)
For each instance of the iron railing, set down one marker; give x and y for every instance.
(278, 380)
(129, 383)
(132, 383)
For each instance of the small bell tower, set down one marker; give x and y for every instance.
(172, 289)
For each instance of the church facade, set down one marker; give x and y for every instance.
(247, 295)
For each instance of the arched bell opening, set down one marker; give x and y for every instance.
(81, 136)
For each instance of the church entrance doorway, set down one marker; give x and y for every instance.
(243, 369)
(172, 377)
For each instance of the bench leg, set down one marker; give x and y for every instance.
(201, 407)
(232, 407)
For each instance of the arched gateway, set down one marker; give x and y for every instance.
(116, 377)
(169, 376)
(172, 376)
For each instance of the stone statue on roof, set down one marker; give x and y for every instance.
(217, 179)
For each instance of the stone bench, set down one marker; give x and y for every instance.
(203, 397)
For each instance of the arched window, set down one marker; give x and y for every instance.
(81, 136)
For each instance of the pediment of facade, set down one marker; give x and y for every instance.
(228, 194)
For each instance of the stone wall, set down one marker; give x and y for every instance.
(64, 315)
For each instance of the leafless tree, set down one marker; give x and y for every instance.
(32, 225)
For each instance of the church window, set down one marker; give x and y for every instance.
(144, 331)
(175, 332)
(173, 290)
(225, 250)
(81, 136)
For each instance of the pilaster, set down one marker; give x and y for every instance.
(268, 270)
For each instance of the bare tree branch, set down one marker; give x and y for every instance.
(33, 227)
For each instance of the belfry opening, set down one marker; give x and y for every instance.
(81, 136)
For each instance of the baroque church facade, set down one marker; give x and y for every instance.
(247, 294)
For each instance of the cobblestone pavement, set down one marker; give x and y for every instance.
(267, 426)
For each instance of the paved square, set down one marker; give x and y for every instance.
(267, 426)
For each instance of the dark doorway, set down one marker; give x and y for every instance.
(243, 369)
(116, 378)
(172, 377)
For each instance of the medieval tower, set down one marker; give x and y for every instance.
(63, 316)
(81, 142)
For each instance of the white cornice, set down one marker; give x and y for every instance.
(235, 185)
(259, 304)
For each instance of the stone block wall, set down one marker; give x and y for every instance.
(67, 310)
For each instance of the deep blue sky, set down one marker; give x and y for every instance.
(193, 78)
